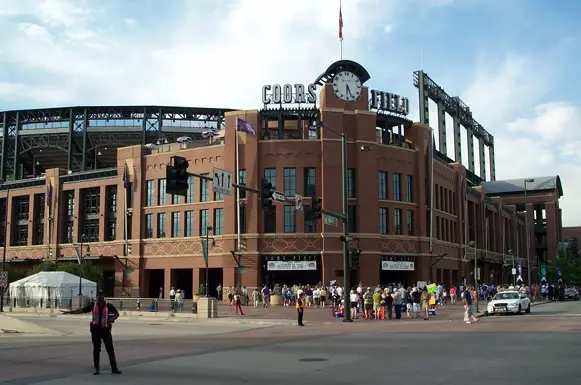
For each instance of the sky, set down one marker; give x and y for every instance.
(511, 61)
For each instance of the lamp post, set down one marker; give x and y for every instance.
(5, 246)
(208, 229)
(81, 259)
(528, 233)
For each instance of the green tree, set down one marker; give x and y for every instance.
(86, 269)
(14, 274)
(570, 268)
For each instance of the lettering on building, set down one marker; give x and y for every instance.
(386, 101)
(288, 94)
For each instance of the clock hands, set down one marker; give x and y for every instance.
(348, 90)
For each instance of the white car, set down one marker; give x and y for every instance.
(509, 302)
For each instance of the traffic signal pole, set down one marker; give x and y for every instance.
(346, 265)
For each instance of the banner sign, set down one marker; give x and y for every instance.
(398, 265)
(291, 265)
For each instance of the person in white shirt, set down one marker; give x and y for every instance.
(317, 296)
(354, 299)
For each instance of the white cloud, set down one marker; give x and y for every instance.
(388, 28)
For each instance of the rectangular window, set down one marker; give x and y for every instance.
(397, 221)
(351, 183)
(290, 181)
(161, 225)
(382, 185)
(397, 187)
(189, 223)
(410, 221)
(149, 193)
(270, 220)
(242, 181)
(71, 203)
(204, 222)
(175, 225)
(409, 188)
(218, 196)
(383, 221)
(352, 215)
(218, 221)
(270, 174)
(161, 194)
(290, 219)
(204, 190)
(242, 220)
(148, 226)
(92, 201)
(175, 199)
(191, 191)
(310, 178)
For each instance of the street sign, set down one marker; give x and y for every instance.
(3, 279)
(331, 221)
(222, 182)
(299, 202)
(279, 197)
(513, 271)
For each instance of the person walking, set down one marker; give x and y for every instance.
(104, 315)
(300, 305)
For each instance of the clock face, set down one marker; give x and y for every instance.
(347, 86)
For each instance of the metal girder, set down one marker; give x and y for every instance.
(33, 142)
(454, 106)
(290, 113)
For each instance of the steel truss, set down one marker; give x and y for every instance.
(74, 133)
(461, 115)
(281, 115)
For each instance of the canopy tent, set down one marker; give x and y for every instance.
(50, 287)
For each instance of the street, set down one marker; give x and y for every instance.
(499, 350)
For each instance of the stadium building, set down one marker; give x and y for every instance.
(95, 176)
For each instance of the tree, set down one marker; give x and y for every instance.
(86, 269)
(569, 266)
(14, 274)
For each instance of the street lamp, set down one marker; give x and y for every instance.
(531, 180)
(208, 230)
(84, 238)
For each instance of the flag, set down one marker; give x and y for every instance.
(125, 177)
(340, 24)
(48, 196)
(244, 126)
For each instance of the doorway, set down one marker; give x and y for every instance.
(156, 279)
(183, 279)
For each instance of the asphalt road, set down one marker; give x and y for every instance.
(500, 350)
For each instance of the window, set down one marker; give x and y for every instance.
(204, 222)
(310, 180)
(351, 183)
(270, 174)
(410, 220)
(270, 220)
(383, 221)
(204, 190)
(189, 223)
(161, 198)
(290, 219)
(92, 201)
(161, 225)
(218, 221)
(409, 188)
(111, 230)
(91, 230)
(290, 181)
(397, 221)
(149, 193)
(175, 199)
(175, 225)
(70, 203)
(242, 220)
(397, 187)
(148, 226)
(382, 185)
(352, 216)
(190, 193)
(242, 181)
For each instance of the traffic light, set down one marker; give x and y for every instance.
(266, 194)
(316, 208)
(176, 176)
(355, 254)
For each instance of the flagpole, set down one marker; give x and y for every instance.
(341, 28)
(237, 178)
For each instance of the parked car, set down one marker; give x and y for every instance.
(571, 293)
(509, 302)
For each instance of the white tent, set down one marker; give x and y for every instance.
(49, 287)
